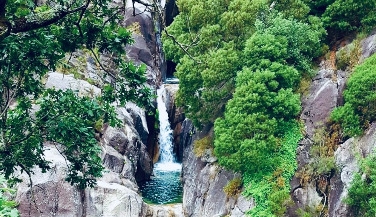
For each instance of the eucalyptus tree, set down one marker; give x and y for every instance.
(34, 37)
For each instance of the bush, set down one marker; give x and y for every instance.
(7, 207)
(360, 96)
(348, 57)
(362, 193)
(350, 15)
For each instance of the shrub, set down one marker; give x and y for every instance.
(362, 193)
(350, 15)
(7, 207)
(348, 57)
(360, 96)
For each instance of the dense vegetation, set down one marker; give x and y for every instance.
(360, 95)
(362, 193)
(34, 39)
(240, 65)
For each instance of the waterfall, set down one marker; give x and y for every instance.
(165, 185)
(166, 158)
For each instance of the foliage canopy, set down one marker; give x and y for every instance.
(34, 38)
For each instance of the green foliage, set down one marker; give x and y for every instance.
(362, 194)
(359, 108)
(213, 41)
(321, 157)
(7, 207)
(297, 9)
(349, 15)
(252, 117)
(233, 187)
(271, 188)
(301, 38)
(239, 67)
(31, 115)
(348, 56)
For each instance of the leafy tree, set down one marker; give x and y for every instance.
(33, 40)
(349, 15)
(246, 138)
(359, 108)
(297, 9)
(318, 7)
(302, 40)
(208, 49)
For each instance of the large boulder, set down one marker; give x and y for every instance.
(112, 199)
(49, 194)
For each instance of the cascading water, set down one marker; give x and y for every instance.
(165, 186)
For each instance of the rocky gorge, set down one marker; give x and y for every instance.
(129, 152)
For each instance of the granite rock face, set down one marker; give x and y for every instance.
(204, 180)
(176, 117)
(324, 95)
(346, 160)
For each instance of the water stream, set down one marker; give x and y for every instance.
(164, 186)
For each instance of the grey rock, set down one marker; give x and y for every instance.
(60, 81)
(139, 121)
(112, 159)
(112, 200)
(346, 160)
(369, 46)
(307, 196)
(322, 99)
(203, 183)
(173, 210)
(50, 194)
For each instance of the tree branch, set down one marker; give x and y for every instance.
(37, 21)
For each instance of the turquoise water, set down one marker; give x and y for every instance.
(165, 186)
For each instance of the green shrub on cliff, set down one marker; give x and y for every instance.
(240, 69)
(360, 95)
(7, 207)
(362, 194)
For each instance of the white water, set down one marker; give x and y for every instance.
(166, 158)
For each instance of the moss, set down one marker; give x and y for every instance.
(304, 85)
(233, 187)
(201, 145)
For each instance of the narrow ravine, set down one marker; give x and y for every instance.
(165, 185)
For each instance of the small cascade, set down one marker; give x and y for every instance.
(166, 157)
(164, 186)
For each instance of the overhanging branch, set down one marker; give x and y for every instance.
(36, 21)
